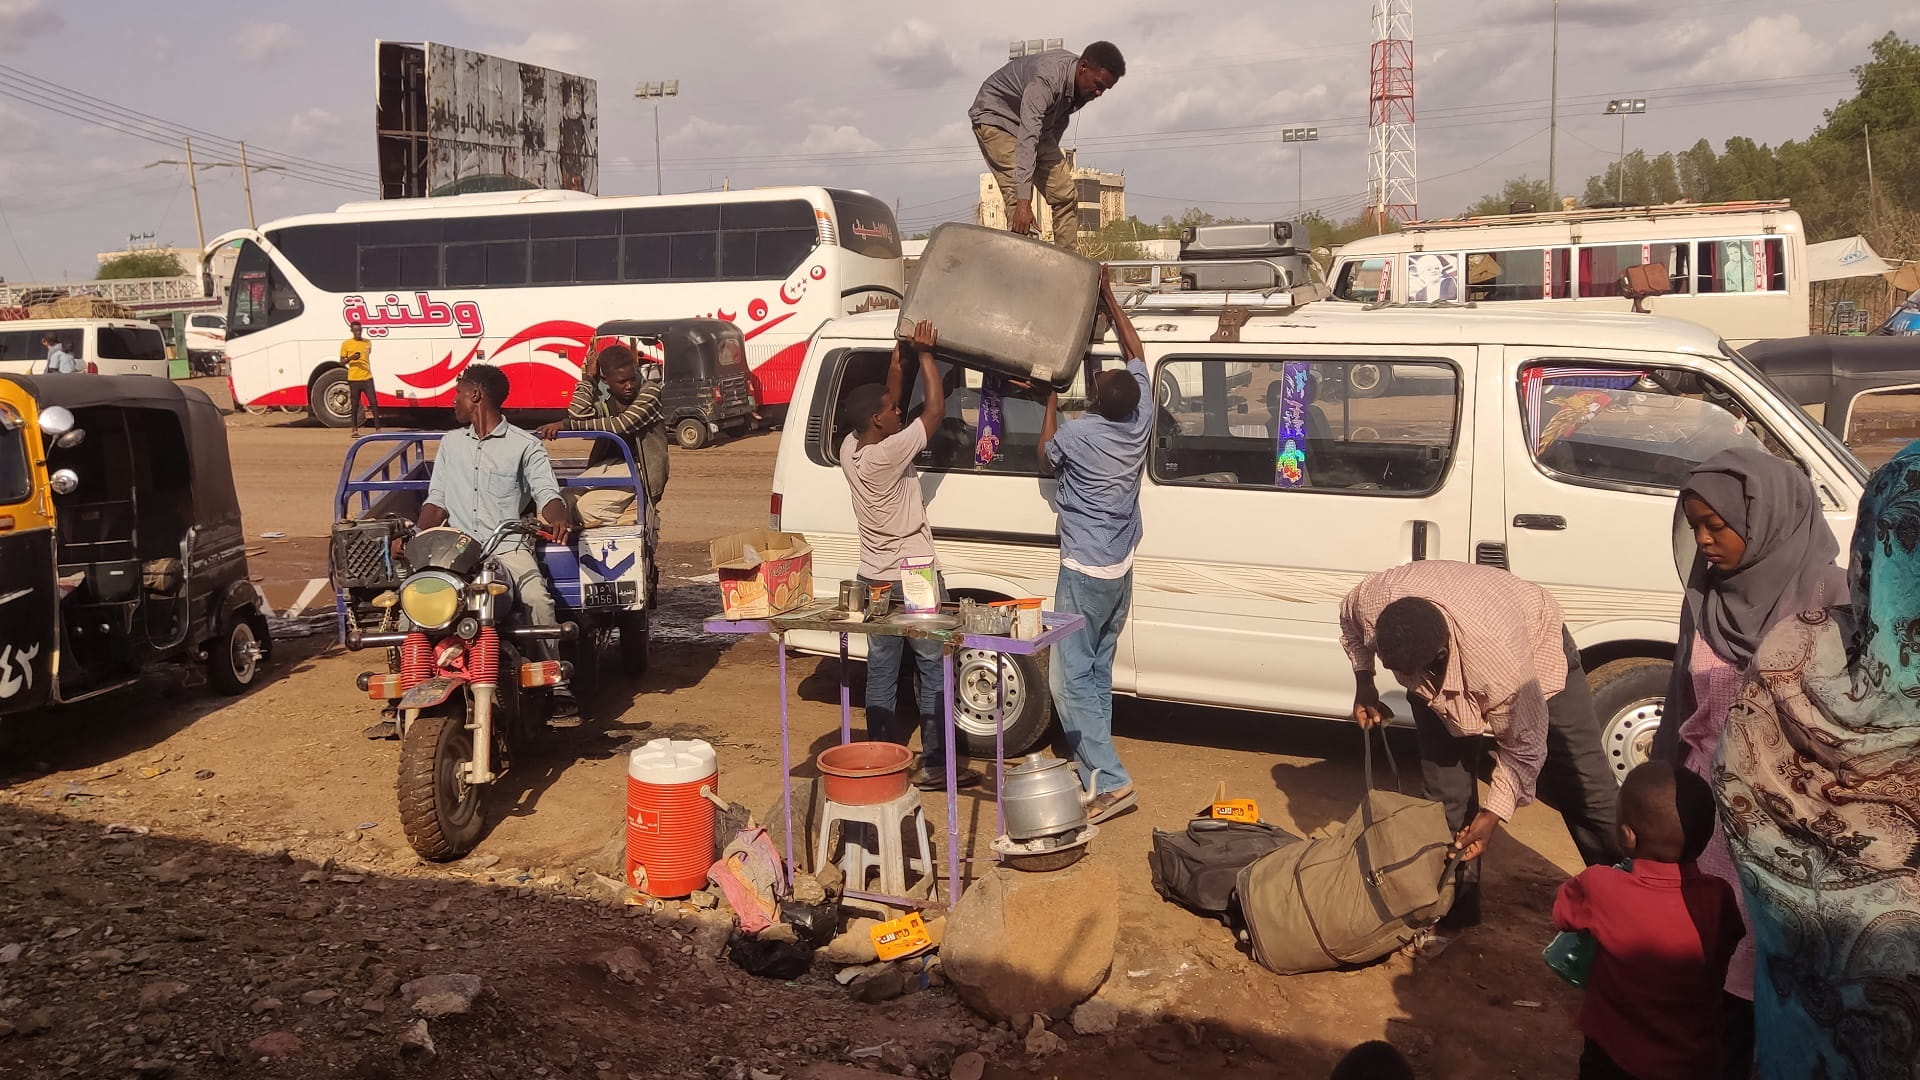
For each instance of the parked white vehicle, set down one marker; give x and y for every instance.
(110, 346)
(519, 279)
(1739, 269)
(206, 333)
(1548, 442)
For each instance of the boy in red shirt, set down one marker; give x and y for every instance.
(1664, 932)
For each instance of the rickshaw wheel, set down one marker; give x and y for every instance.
(439, 811)
(233, 663)
(636, 642)
(690, 433)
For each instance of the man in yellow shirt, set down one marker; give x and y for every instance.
(357, 353)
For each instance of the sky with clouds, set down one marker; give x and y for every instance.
(875, 97)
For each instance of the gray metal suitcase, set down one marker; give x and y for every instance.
(1005, 303)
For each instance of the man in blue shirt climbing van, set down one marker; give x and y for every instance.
(1098, 459)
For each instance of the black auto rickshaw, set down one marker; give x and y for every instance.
(121, 547)
(1865, 390)
(705, 387)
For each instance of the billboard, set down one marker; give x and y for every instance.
(450, 121)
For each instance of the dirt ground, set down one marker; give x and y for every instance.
(271, 869)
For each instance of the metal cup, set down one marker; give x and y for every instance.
(853, 597)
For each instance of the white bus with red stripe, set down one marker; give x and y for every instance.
(519, 279)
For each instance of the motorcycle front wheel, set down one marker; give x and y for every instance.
(439, 810)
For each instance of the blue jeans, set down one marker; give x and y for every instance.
(1081, 673)
(883, 689)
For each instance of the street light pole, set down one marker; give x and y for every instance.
(1623, 108)
(1300, 137)
(1553, 113)
(656, 92)
(192, 182)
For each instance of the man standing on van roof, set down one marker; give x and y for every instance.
(1098, 460)
(877, 458)
(1018, 118)
(1485, 659)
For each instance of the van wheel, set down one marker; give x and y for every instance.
(1029, 705)
(234, 659)
(1368, 380)
(330, 399)
(691, 434)
(1629, 698)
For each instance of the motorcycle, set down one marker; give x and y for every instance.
(459, 688)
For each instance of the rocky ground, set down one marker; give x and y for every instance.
(193, 886)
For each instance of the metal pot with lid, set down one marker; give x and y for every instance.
(1042, 797)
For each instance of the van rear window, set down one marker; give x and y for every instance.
(131, 343)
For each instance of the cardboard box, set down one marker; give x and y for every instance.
(762, 573)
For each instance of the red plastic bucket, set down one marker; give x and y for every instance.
(669, 824)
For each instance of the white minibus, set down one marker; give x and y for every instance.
(1739, 269)
(1551, 443)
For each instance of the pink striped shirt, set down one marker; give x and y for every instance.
(1507, 657)
(1716, 686)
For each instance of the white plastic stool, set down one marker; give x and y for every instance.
(888, 841)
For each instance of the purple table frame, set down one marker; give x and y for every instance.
(1055, 625)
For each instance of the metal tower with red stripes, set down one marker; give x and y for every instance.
(1392, 176)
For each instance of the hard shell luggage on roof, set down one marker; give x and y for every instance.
(1005, 303)
(1284, 242)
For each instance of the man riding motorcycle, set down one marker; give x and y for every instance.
(484, 474)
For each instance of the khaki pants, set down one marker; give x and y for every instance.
(1051, 178)
(596, 507)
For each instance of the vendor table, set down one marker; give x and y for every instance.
(1055, 625)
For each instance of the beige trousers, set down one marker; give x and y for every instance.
(1051, 178)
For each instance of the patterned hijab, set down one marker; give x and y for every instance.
(1789, 566)
(1818, 782)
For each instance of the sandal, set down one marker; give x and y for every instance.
(1110, 804)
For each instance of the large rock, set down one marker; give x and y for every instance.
(1020, 943)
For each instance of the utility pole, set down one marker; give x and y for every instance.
(193, 182)
(246, 178)
(1873, 198)
(1553, 114)
(246, 184)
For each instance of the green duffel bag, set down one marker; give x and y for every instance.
(1355, 895)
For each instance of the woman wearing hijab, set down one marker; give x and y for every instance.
(1818, 782)
(1763, 554)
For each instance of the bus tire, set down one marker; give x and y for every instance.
(330, 399)
(690, 433)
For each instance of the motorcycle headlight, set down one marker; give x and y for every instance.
(431, 600)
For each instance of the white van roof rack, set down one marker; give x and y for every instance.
(1164, 293)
